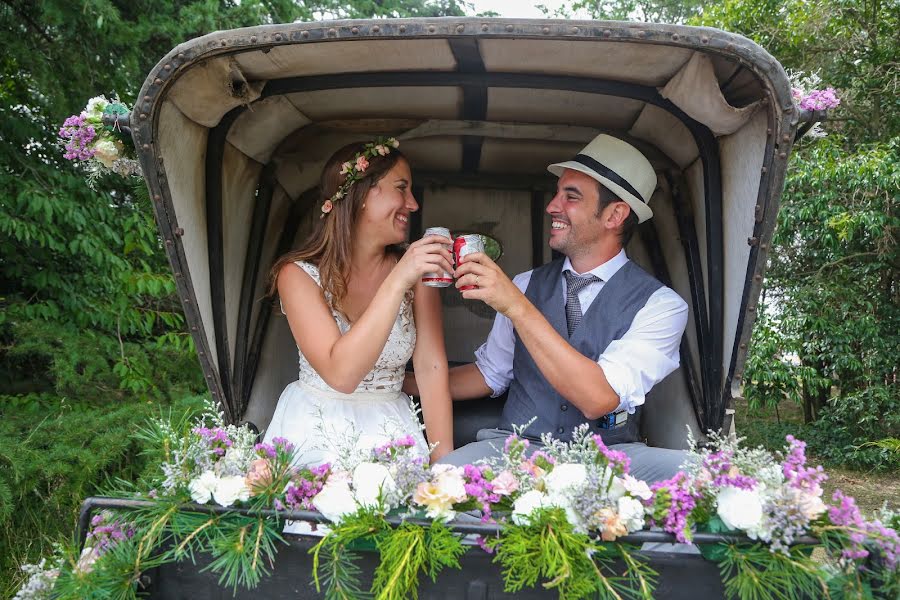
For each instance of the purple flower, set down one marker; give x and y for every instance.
(388, 450)
(820, 100)
(217, 439)
(482, 543)
(78, 136)
(673, 502)
(797, 474)
(618, 460)
(265, 450)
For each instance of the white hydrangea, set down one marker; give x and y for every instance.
(739, 509)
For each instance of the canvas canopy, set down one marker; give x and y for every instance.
(233, 129)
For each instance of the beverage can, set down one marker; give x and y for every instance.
(442, 278)
(467, 244)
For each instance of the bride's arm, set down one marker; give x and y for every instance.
(341, 360)
(344, 360)
(430, 364)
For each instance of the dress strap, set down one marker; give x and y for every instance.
(311, 270)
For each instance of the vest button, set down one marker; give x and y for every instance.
(560, 430)
(564, 407)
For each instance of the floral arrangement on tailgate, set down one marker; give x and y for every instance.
(101, 148)
(562, 512)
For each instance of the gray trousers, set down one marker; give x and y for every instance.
(647, 463)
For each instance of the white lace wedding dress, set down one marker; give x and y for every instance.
(326, 425)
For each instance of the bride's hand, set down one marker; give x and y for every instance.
(428, 255)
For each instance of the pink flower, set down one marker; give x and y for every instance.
(362, 164)
(345, 168)
(505, 483)
(259, 476)
(327, 206)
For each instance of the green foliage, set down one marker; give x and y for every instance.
(334, 567)
(576, 566)
(54, 453)
(757, 573)
(408, 551)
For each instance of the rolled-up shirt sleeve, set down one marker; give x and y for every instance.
(494, 358)
(648, 351)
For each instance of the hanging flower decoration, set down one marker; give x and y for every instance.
(355, 169)
(100, 147)
(806, 93)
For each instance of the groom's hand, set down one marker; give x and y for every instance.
(492, 286)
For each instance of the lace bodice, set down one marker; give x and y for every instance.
(387, 375)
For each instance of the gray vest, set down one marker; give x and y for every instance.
(607, 319)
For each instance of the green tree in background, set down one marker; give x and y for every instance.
(831, 293)
(92, 337)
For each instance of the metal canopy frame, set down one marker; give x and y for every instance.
(232, 382)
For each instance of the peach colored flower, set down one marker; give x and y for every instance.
(438, 504)
(505, 483)
(327, 206)
(362, 164)
(382, 149)
(259, 476)
(531, 468)
(613, 527)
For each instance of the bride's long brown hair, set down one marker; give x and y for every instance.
(330, 247)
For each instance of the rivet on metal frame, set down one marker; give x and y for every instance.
(509, 28)
(744, 346)
(757, 277)
(460, 28)
(403, 29)
(304, 34)
(252, 39)
(431, 29)
(738, 376)
(277, 37)
(575, 30)
(545, 30)
(156, 197)
(146, 146)
(223, 43)
(751, 308)
(179, 231)
(765, 170)
(752, 241)
(641, 34)
(181, 56)
(704, 40)
(167, 67)
(607, 33)
(143, 116)
(354, 30)
(675, 37)
(376, 29)
(146, 98)
(782, 155)
(786, 138)
(157, 81)
(764, 247)
(485, 27)
(169, 242)
(332, 32)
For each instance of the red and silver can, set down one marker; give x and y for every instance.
(467, 244)
(442, 278)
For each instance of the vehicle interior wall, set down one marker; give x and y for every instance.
(521, 131)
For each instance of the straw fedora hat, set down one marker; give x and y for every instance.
(620, 167)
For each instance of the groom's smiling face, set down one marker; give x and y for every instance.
(575, 226)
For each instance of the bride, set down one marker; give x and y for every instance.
(358, 310)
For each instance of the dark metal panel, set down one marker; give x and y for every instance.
(215, 152)
(300, 207)
(475, 98)
(260, 218)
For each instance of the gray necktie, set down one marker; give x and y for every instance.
(574, 284)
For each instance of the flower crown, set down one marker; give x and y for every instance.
(355, 169)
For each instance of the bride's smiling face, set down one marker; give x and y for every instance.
(388, 205)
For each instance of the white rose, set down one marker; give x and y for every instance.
(230, 489)
(611, 485)
(375, 488)
(637, 487)
(739, 509)
(106, 152)
(526, 504)
(202, 487)
(565, 479)
(96, 105)
(631, 512)
(450, 481)
(335, 500)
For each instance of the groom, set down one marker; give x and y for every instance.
(581, 339)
